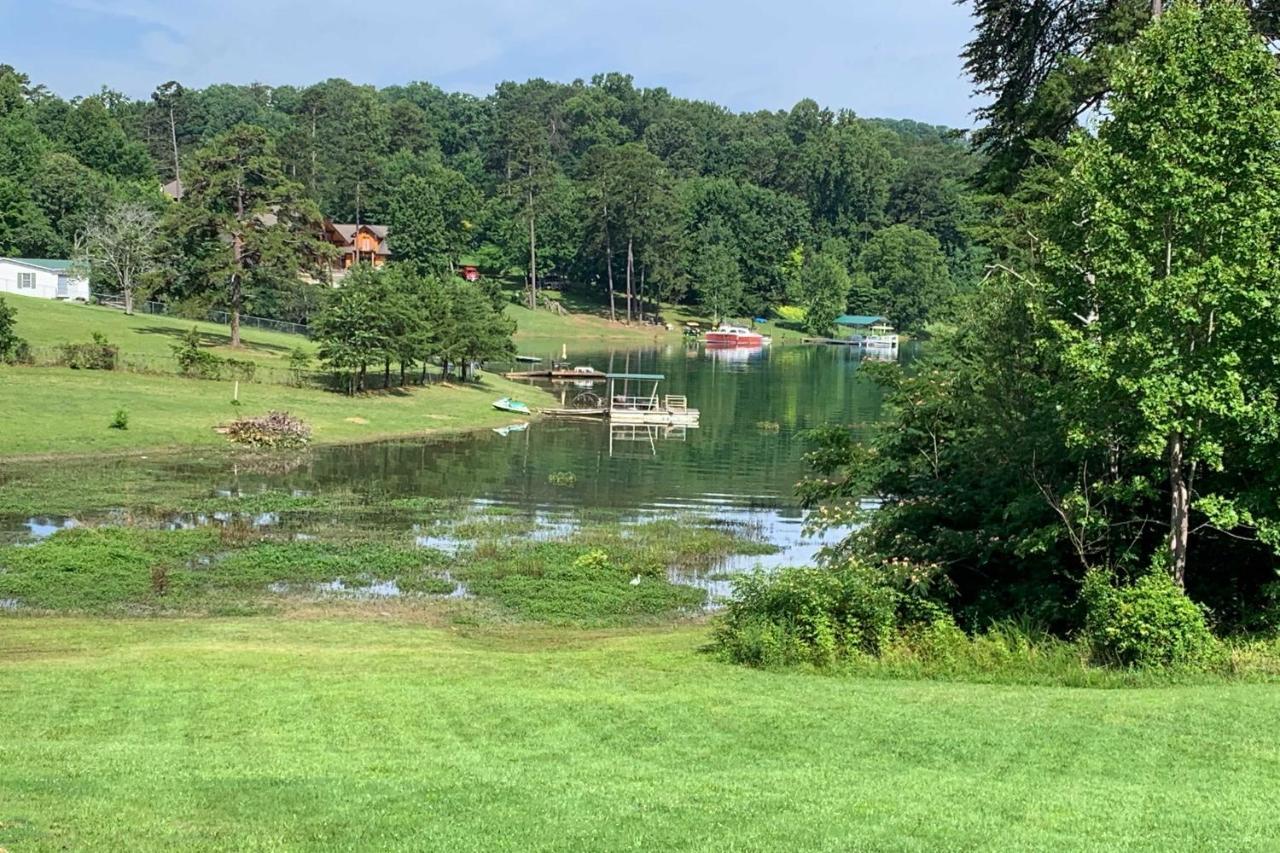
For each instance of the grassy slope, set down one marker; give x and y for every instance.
(368, 734)
(57, 410)
(45, 323)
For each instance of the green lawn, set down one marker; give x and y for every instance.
(46, 323)
(51, 410)
(362, 733)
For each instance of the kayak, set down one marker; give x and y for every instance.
(506, 404)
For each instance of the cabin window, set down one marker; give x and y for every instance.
(26, 281)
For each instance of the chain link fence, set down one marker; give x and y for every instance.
(213, 315)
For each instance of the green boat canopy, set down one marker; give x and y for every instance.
(860, 320)
(647, 377)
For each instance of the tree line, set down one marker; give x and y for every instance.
(630, 193)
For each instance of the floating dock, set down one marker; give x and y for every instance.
(624, 408)
(570, 375)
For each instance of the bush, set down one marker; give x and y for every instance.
(121, 419)
(240, 369)
(274, 429)
(562, 478)
(99, 354)
(196, 362)
(808, 615)
(13, 349)
(1148, 623)
(299, 366)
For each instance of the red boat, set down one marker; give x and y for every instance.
(735, 336)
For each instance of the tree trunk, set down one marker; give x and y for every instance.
(533, 258)
(238, 241)
(630, 269)
(236, 301)
(173, 137)
(1179, 509)
(641, 294)
(608, 262)
(1157, 8)
(126, 289)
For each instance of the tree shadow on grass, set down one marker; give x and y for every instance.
(214, 339)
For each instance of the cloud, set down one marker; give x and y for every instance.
(876, 56)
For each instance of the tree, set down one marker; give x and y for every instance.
(246, 222)
(903, 268)
(1162, 249)
(473, 330)
(24, 231)
(170, 99)
(824, 291)
(10, 343)
(348, 327)
(430, 216)
(718, 281)
(122, 244)
(1045, 64)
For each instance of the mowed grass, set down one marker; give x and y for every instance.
(364, 733)
(46, 323)
(57, 410)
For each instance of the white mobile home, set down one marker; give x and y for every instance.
(42, 277)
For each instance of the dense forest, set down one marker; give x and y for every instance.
(632, 193)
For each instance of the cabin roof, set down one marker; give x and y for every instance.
(860, 320)
(51, 264)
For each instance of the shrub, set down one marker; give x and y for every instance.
(121, 419)
(299, 366)
(240, 369)
(196, 362)
(12, 347)
(562, 478)
(274, 429)
(808, 615)
(1150, 622)
(98, 354)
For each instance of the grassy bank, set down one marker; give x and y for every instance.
(62, 411)
(46, 323)
(326, 731)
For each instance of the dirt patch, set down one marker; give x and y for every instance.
(356, 420)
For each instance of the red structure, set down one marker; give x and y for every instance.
(469, 272)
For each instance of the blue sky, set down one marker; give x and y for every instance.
(894, 58)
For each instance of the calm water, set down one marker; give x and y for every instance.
(741, 465)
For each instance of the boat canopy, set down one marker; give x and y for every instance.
(860, 320)
(644, 377)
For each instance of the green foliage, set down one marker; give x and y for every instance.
(824, 292)
(195, 361)
(718, 281)
(562, 478)
(120, 420)
(98, 354)
(903, 274)
(299, 365)
(811, 615)
(11, 346)
(1150, 622)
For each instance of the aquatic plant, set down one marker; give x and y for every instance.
(562, 478)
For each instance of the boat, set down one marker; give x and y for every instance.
(735, 336)
(529, 359)
(505, 431)
(506, 404)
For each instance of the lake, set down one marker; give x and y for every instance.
(740, 466)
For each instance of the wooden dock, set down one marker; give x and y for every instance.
(569, 375)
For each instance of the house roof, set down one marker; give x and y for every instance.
(348, 230)
(860, 320)
(51, 264)
(173, 189)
